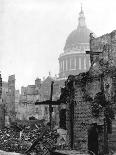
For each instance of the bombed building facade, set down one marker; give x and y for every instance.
(90, 98)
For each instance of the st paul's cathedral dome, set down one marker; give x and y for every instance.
(74, 58)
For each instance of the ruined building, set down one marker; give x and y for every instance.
(26, 107)
(11, 99)
(90, 99)
(2, 116)
(72, 61)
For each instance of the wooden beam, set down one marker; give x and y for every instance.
(50, 105)
(48, 102)
(93, 53)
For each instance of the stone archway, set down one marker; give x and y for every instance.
(93, 139)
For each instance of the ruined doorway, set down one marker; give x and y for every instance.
(62, 116)
(93, 139)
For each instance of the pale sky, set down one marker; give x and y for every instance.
(33, 33)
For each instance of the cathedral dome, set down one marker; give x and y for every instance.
(74, 59)
(79, 35)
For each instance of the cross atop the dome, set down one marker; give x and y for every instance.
(81, 18)
(81, 8)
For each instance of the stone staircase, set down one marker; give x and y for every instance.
(112, 137)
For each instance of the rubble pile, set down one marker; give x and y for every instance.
(12, 141)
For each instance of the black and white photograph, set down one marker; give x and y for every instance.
(57, 77)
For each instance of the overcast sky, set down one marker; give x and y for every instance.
(33, 33)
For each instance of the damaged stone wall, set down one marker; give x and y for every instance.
(99, 80)
(105, 62)
(82, 117)
(85, 110)
(84, 94)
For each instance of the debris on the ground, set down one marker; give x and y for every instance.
(12, 140)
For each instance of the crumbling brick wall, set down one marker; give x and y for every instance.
(103, 64)
(83, 96)
(82, 119)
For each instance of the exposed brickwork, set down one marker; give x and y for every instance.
(100, 78)
(82, 115)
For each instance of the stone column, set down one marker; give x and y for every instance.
(85, 63)
(66, 65)
(79, 63)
